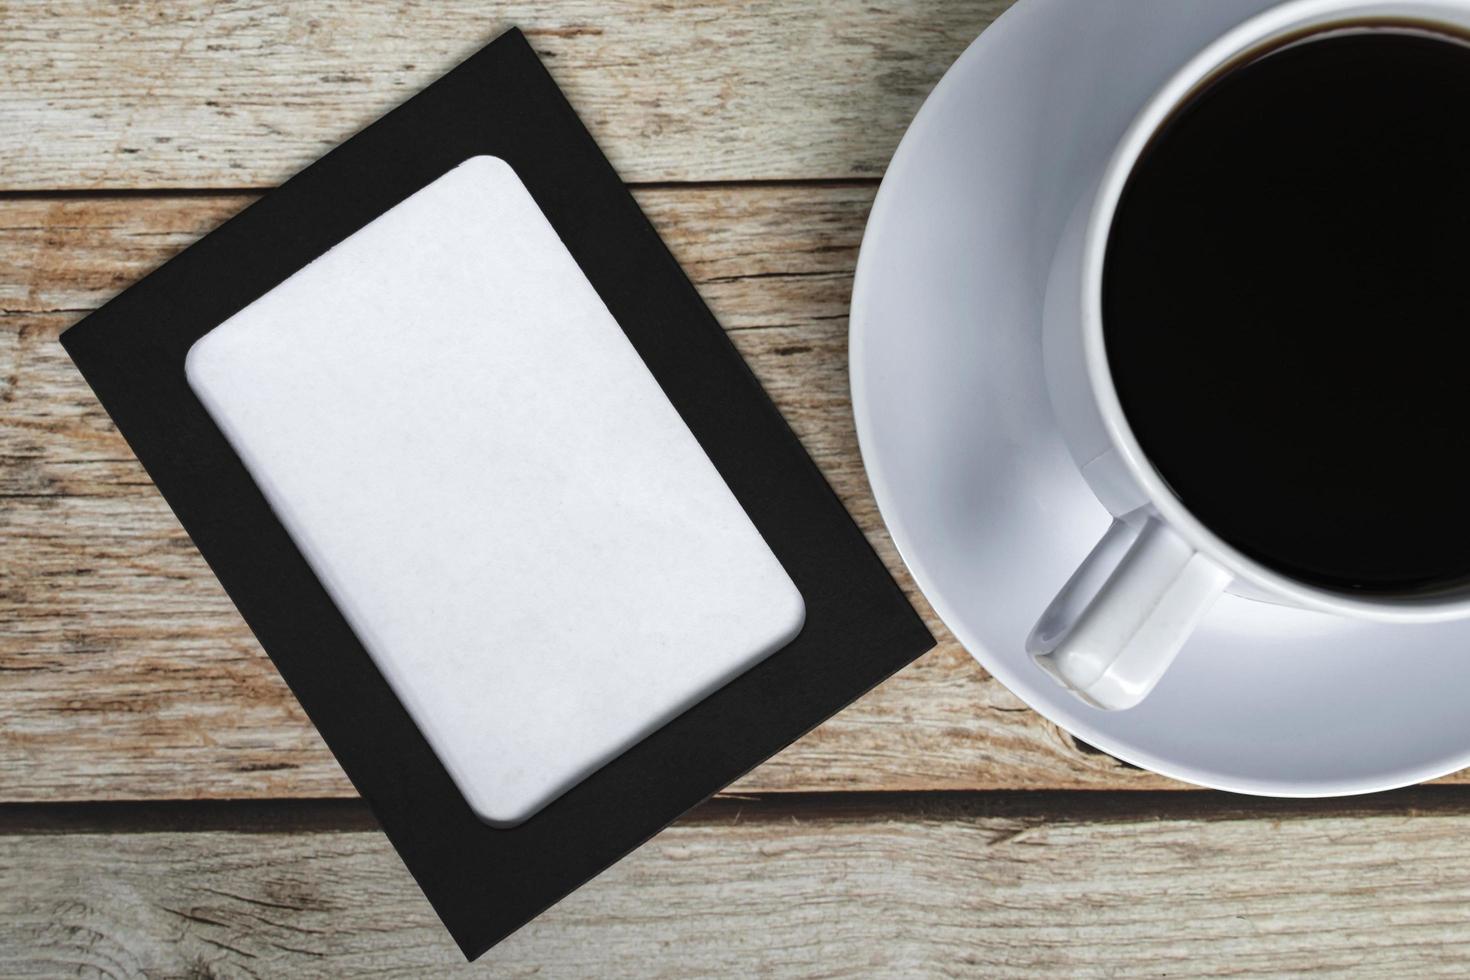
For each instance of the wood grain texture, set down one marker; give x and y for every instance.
(766, 890)
(126, 673)
(243, 93)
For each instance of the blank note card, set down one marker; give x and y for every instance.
(521, 530)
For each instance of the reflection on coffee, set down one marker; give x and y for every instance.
(1286, 307)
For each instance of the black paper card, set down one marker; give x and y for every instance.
(486, 881)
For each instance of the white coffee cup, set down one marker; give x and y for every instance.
(1123, 616)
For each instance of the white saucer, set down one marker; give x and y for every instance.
(972, 477)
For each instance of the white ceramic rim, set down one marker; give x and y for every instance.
(1046, 700)
(1259, 30)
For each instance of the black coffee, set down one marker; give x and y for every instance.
(1286, 307)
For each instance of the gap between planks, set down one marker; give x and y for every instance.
(753, 184)
(1033, 807)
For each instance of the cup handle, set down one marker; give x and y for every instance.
(1118, 623)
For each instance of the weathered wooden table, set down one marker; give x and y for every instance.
(166, 809)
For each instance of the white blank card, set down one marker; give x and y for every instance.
(492, 487)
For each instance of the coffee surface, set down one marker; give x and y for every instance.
(1286, 308)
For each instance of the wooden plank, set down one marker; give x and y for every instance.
(126, 673)
(765, 889)
(243, 93)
